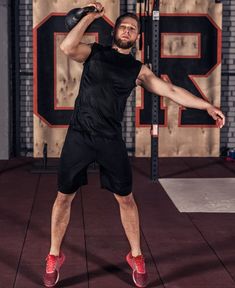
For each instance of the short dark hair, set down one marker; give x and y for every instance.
(125, 15)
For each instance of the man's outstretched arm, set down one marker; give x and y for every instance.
(71, 45)
(152, 83)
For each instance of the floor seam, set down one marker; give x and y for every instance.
(85, 244)
(27, 228)
(211, 248)
(4, 168)
(192, 170)
(160, 278)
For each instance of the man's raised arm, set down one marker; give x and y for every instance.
(71, 45)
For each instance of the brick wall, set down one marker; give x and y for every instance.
(26, 77)
(228, 74)
(26, 87)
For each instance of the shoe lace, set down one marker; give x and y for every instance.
(140, 265)
(51, 263)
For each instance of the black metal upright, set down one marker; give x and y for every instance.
(16, 76)
(155, 99)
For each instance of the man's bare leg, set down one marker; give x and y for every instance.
(59, 220)
(130, 221)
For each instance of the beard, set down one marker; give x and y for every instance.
(122, 43)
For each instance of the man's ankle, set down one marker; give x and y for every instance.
(54, 252)
(136, 253)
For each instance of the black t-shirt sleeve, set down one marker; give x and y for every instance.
(95, 47)
(137, 69)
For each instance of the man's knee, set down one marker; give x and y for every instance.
(125, 201)
(64, 199)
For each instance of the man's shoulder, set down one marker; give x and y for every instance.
(96, 45)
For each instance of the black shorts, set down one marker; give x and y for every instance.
(80, 149)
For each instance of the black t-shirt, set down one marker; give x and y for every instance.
(107, 80)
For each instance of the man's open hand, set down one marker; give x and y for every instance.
(217, 115)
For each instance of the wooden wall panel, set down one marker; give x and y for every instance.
(42, 8)
(176, 139)
(67, 73)
(180, 45)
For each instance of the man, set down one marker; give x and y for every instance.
(94, 134)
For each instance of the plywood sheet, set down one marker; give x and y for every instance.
(67, 73)
(176, 139)
(42, 8)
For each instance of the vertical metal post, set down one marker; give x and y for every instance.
(4, 81)
(16, 77)
(155, 99)
(45, 156)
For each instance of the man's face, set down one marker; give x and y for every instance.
(126, 33)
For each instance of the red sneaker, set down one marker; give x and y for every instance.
(53, 264)
(139, 273)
